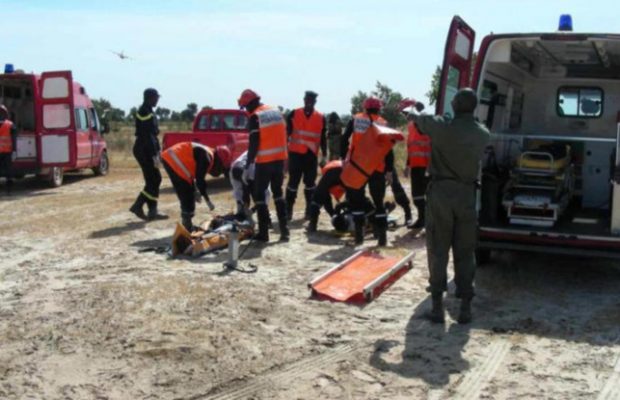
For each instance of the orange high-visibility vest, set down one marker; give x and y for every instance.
(272, 128)
(306, 132)
(418, 148)
(180, 158)
(368, 154)
(361, 123)
(6, 143)
(337, 190)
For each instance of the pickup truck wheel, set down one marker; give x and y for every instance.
(104, 165)
(55, 177)
(483, 256)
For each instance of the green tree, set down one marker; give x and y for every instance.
(132, 113)
(105, 110)
(391, 101)
(190, 112)
(162, 113)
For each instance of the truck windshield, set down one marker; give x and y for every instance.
(222, 122)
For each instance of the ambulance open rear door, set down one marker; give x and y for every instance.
(457, 63)
(615, 202)
(57, 141)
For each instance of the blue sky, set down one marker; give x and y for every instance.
(209, 51)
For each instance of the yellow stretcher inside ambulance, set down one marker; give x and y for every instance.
(549, 179)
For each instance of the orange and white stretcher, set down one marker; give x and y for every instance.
(360, 278)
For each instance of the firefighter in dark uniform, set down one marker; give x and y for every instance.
(306, 133)
(187, 165)
(8, 146)
(372, 107)
(377, 180)
(451, 222)
(268, 149)
(146, 151)
(329, 185)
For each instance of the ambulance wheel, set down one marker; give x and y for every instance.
(55, 177)
(104, 165)
(483, 256)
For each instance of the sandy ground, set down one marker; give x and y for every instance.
(85, 315)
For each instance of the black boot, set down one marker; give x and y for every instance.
(313, 217)
(137, 207)
(465, 312)
(263, 223)
(186, 221)
(282, 220)
(359, 222)
(291, 195)
(437, 314)
(381, 226)
(420, 205)
(153, 214)
(403, 201)
(308, 193)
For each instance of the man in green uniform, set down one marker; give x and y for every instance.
(334, 136)
(451, 219)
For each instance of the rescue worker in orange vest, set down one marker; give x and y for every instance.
(8, 146)
(418, 159)
(187, 165)
(146, 151)
(329, 185)
(306, 129)
(376, 180)
(391, 175)
(268, 150)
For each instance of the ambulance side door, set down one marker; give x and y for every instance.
(56, 141)
(457, 63)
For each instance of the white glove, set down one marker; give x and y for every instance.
(197, 196)
(157, 161)
(210, 205)
(13, 156)
(245, 177)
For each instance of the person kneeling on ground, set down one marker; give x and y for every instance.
(243, 186)
(187, 165)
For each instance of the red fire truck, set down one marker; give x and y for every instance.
(551, 100)
(58, 127)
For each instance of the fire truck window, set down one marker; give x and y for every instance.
(229, 122)
(55, 88)
(216, 122)
(81, 119)
(242, 122)
(203, 123)
(56, 116)
(94, 121)
(580, 102)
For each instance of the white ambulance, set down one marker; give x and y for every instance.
(552, 103)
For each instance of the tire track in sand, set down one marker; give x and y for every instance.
(611, 390)
(283, 375)
(475, 380)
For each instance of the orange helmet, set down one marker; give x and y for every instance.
(223, 153)
(247, 96)
(372, 103)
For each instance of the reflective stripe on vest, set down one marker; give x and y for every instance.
(306, 131)
(188, 176)
(6, 142)
(272, 140)
(145, 118)
(418, 148)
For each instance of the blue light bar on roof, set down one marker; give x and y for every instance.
(566, 23)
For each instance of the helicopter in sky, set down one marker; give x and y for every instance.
(121, 55)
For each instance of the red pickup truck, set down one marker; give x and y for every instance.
(215, 128)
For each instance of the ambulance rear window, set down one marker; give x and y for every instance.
(580, 102)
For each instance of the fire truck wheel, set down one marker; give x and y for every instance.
(104, 165)
(55, 176)
(483, 256)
